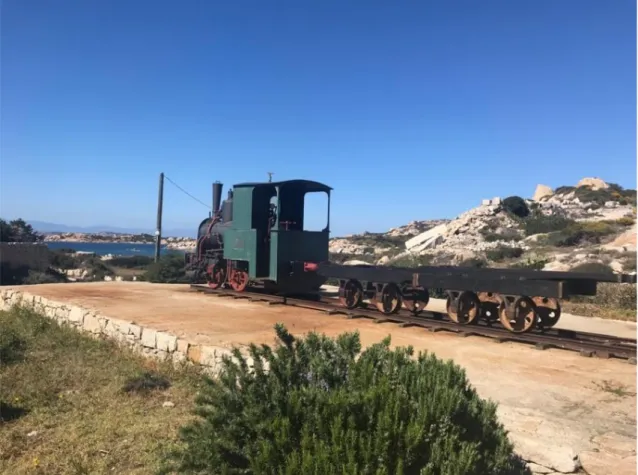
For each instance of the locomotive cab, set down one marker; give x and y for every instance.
(268, 239)
(259, 234)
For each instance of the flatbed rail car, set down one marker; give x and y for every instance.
(520, 299)
(259, 235)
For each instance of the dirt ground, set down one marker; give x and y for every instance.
(556, 404)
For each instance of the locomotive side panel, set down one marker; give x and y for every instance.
(241, 245)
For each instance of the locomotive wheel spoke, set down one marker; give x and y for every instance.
(415, 299)
(215, 276)
(238, 280)
(520, 317)
(351, 294)
(389, 300)
(465, 309)
(548, 310)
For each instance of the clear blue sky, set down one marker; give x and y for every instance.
(410, 110)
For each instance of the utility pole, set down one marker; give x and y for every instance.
(158, 231)
(270, 174)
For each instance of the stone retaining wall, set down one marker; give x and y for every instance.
(150, 342)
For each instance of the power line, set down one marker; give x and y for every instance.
(187, 193)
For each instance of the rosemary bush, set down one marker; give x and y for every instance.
(321, 406)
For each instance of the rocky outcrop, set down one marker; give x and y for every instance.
(467, 232)
(570, 206)
(427, 240)
(542, 191)
(593, 183)
(415, 228)
(490, 226)
(625, 241)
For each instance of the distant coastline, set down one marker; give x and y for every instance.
(175, 243)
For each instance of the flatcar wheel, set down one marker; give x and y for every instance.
(520, 316)
(215, 276)
(389, 300)
(351, 294)
(415, 299)
(548, 310)
(490, 304)
(238, 280)
(464, 309)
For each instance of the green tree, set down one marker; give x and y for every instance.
(18, 230)
(169, 270)
(516, 206)
(311, 406)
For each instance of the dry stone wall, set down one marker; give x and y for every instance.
(150, 342)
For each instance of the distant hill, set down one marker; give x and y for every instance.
(46, 227)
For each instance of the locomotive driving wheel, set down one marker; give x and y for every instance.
(215, 275)
(238, 280)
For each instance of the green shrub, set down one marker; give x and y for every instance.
(593, 267)
(320, 409)
(610, 295)
(580, 233)
(146, 382)
(341, 258)
(531, 263)
(626, 221)
(504, 252)
(506, 235)
(516, 205)
(617, 295)
(97, 268)
(379, 240)
(540, 224)
(473, 262)
(131, 262)
(598, 198)
(564, 190)
(413, 261)
(169, 270)
(62, 259)
(12, 344)
(51, 276)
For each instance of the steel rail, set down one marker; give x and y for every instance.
(587, 344)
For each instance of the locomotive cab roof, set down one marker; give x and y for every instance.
(308, 185)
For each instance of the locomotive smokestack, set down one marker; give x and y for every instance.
(217, 196)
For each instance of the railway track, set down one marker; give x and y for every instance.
(587, 344)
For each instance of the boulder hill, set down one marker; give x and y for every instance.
(592, 223)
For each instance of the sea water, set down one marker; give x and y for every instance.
(114, 248)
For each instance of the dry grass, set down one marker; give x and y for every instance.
(599, 311)
(65, 409)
